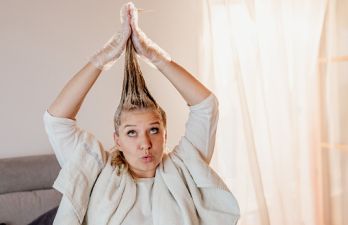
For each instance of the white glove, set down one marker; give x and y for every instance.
(112, 50)
(143, 45)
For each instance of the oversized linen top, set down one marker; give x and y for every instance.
(185, 189)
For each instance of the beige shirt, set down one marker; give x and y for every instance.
(141, 212)
(185, 189)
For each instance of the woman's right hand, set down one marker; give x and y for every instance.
(112, 50)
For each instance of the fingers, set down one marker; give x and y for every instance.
(124, 13)
(138, 36)
(133, 16)
(125, 23)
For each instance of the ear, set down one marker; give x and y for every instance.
(117, 141)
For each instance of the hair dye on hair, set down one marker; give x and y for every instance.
(134, 96)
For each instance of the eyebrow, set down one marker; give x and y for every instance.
(131, 125)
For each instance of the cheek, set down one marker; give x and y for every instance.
(127, 146)
(158, 142)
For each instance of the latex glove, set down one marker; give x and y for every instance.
(112, 50)
(143, 45)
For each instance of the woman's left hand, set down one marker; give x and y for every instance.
(142, 44)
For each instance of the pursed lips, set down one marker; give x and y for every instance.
(147, 158)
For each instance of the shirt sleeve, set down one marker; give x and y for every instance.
(201, 126)
(65, 135)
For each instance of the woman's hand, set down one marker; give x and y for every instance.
(142, 44)
(112, 50)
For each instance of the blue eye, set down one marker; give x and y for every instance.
(131, 133)
(154, 130)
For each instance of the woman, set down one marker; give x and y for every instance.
(138, 183)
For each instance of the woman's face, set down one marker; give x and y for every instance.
(141, 137)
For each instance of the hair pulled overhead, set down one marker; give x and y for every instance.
(134, 96)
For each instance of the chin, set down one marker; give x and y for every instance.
(148, 166)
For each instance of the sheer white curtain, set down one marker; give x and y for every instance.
(260, 58)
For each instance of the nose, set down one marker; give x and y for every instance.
(145, 143)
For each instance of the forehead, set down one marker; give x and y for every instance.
(140, 117)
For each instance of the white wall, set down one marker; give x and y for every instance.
(43, 43)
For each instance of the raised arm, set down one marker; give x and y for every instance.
(187, 85)
(59, 120)
(68, 102)
(70, 99)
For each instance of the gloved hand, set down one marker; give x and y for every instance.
(143, 45)
(112, 50)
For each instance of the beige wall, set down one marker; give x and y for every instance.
(43, 43)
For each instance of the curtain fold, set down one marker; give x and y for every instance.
(333, 70)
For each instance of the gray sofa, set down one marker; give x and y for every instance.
(26, 188)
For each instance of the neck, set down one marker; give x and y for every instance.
(142, 174)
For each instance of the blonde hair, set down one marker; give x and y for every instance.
(135, 96)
